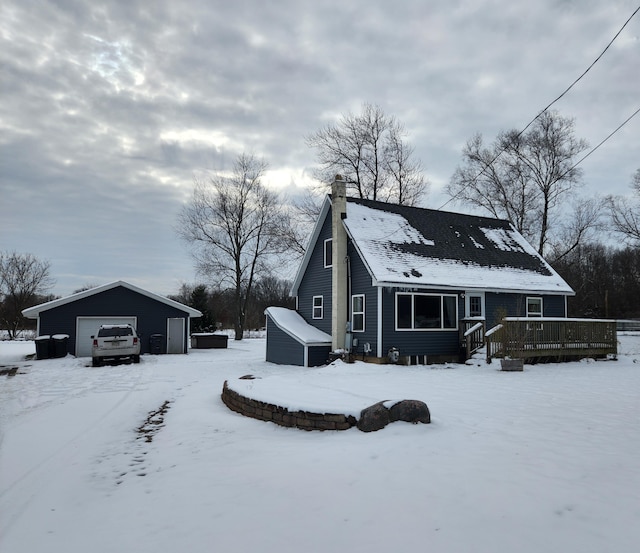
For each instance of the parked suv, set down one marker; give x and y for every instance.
(115, 342)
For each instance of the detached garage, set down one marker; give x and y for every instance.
(162, 324)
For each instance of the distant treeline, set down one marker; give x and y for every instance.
(606, 281)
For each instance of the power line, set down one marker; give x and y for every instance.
(585, 71)
(495, 158)
(603, 141)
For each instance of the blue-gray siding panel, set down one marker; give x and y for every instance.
(318, 355)
(361, 284)
(515, 305)
(282, 348)
(151, 315)
(317, 282)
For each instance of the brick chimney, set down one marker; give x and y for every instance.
(339, 299)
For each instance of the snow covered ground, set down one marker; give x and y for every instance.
(547, 460)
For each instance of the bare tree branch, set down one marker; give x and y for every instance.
(370, 152)
(233, 225)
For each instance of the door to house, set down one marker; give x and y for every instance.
(175, 335)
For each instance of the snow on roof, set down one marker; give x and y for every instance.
(294, 325)
(409, 246)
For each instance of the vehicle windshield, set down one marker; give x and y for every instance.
(115, 331)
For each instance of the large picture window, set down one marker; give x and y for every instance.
(357, 313)
(426, 312)
(317, 307)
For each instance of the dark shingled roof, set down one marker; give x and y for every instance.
(456, 237)
(416, 246)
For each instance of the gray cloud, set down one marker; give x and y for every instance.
(109, 109)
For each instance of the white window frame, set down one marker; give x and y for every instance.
(328, 242)
(354, 313)
(320, 307)
(468, 297)
(413, 329)
(537, 299)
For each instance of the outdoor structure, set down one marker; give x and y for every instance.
(403, 284)
(162, 324)
(292, 341)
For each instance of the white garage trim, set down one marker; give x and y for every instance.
(88, 326)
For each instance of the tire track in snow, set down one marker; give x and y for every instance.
(39, 475)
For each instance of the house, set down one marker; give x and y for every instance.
(390, 281)
(162, 324)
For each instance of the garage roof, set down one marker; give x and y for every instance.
(34, 312)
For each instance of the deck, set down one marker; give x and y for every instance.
(542, 339)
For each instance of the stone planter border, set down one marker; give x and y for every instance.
(282, 416)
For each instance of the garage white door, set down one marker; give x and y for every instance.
(88, 326)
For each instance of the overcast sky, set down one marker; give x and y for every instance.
(108, 109)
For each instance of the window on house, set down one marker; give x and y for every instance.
(328, 253)
(317, 307)
(426, 312)
(475, 306)
(357, 313)
(534, 307)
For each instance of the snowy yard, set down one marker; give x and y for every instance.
(547, 460)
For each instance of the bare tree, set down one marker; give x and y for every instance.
(578, 227)
(524, 177)
(301, 213)
(625, 213)
(23, 277)
(234, 226)
(370, 152)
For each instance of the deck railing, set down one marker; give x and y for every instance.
(551, 338)
(472, 335)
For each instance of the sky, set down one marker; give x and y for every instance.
(108, 110)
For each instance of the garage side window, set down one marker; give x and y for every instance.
(318, 307)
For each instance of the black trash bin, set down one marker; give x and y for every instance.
(156, 343)
(43, 347)
(59, 345)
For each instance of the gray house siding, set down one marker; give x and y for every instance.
(118, 302)
(417, 342)
(282, 348)
(317, 282)
(361, 284)
(318, 355)
(515, 305)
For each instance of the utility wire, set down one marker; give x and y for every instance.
(584, 73)
(495, 158)
(602, 142)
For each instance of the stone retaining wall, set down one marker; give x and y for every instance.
(282, 416)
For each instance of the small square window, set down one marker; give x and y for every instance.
(317, 307)
(534, 307)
